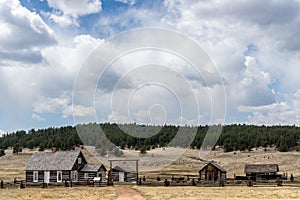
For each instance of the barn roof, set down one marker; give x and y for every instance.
(261, 168)
(123, 169)
(215, 165)
(92, 168)
(60, 160)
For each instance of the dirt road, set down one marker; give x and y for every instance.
(127, 193)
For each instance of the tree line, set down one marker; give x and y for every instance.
(106, 136)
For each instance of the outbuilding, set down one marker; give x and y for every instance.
(212, 172)
(123, 174)
(262, 171)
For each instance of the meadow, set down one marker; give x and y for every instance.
(12, 166)
(154, 193)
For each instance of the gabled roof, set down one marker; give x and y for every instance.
(261, 168)
(215, 165)
(123, 169)
(92, 168)
(60, 160)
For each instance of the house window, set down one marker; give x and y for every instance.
(79, 161)
(74, 175)
(35, 176)
(86, 175)
(59, 176)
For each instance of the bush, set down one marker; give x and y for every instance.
(2, 152)
(144, 149)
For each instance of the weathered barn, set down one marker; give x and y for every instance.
(57, 166)
(123, 174)
(212, 172)
(262, 171)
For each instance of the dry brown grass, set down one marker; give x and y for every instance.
(80, 193)
(12, 166)
(234, 162)
(228, 192)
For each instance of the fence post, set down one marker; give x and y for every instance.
(22, 185)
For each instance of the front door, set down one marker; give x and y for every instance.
(103, 176)
(46, 177)
(121, 176)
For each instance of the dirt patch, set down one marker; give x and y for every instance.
(63, 193)
(127, 193)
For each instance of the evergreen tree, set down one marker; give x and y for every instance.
(17, 148)
(2, 152)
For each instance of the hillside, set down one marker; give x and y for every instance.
(132, 136)
(12, 165)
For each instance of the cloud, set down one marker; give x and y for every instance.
(67, 12)
(130, 2)
(118, 117)
(23, 35)
(284, 113)
(254, 44)
(253, 86)
(37, 117)
(129, 18)
(61, 105)
(2, 133)
(21, 87)
(137, 80)
(229, 30)
(255, 11)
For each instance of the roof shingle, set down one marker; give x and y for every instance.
(92, 168)
(47, 161)
(261, 168)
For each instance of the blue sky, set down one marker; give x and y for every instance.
(255, 46)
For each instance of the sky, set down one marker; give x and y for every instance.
(48, 45)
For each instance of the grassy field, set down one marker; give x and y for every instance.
(12, 166)
(154, 193)
(80, 193)
(228, 192)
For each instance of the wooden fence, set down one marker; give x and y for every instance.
(162, 180)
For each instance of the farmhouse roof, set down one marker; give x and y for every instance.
(261, 168)
(123, 169)
(92, 168)
(60, 160)
(215, 165)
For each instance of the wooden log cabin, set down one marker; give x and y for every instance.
(262, 171)
(212, 172)
(123, 174)
(58, 166)
(90, 171)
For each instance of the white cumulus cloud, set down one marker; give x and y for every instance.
(23, 35)
(67, 12)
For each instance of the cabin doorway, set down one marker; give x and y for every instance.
(46, 177)
(121, 176)
(103, 176)
(210, 176)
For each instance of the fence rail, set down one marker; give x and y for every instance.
(163, 180)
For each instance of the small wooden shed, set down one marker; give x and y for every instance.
(212, 172)
(89, 171)
(262, 171)
(123, 174)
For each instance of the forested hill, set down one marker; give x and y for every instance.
(233, 137)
